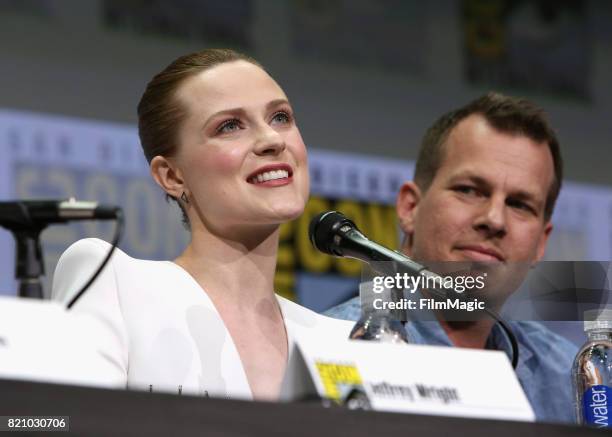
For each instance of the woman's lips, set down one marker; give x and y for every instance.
(272, 175)
(274, 182)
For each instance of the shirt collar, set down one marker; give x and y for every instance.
(425, 329)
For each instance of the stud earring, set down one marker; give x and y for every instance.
(184, 197)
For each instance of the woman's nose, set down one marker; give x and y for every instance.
(269, 142)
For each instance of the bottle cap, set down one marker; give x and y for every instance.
(595, 320)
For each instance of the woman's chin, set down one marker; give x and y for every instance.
(286, 213)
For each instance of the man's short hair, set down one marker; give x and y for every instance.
(506, 114)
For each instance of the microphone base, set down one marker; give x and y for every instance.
(31, 288)
(29, 265)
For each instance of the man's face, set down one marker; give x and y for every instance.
(485, 203)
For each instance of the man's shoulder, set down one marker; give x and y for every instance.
(545, 373)
(544, 342)
(349, 310)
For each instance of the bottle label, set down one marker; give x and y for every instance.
(596, 403)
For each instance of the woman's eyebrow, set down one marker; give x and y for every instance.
(276, 102)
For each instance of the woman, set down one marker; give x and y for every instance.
(221, 140)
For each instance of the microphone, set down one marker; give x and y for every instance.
(26, 219)
(333, 233)
(27, 213)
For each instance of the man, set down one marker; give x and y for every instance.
(486, 181)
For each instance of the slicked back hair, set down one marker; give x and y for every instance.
(161, 114)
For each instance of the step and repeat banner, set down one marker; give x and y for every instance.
(45, 156)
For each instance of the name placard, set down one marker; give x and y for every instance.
(407, 378)
(41, 341)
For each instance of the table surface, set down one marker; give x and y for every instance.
(129, 413)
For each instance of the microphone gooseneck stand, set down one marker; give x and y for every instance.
(29, 265)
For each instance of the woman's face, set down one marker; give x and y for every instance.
(240, 154)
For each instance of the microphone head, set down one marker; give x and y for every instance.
(325, 229)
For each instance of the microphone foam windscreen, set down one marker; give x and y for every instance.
(323, 227)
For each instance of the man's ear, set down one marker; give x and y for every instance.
(167, 176)
(541, 249)
(406, 206)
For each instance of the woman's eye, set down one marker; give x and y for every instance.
(228, 126)
(281, 117)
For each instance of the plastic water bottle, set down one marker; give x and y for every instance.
(592, 371)
(378, 325)
(381, 327)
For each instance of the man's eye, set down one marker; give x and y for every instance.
(519, 205)
(228, 126)
(281, 117)
(465, 189)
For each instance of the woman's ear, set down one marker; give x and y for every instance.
(168, 176)
(406, 206)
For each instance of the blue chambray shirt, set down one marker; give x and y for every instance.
(545, 359)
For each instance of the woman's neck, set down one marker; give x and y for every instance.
(236, 268)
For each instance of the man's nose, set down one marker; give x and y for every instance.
(268, 141)
(492, 218)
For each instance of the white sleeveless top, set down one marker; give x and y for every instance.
(158, 327)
